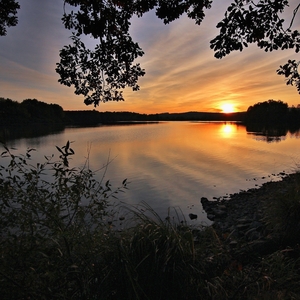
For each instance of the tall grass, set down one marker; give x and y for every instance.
(282, 212)
(155, 259)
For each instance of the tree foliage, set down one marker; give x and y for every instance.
(8, 15)
(257, 22)
(269, 112)
(260, 22)
(30, 112)
(101, 73)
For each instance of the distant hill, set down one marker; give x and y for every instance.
(90, 118)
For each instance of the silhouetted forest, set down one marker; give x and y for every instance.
(90, 118)
(30, 112)
(31, 118)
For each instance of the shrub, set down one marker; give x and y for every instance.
(52, 221)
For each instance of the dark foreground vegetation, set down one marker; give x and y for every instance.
(62, 237)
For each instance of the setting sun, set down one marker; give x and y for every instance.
(227, 108)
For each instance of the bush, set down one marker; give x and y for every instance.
(52, 221)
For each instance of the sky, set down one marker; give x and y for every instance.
(181, 72)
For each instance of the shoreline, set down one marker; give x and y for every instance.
(241, 214)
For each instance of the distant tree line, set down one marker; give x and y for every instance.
(30, 112)
(93, 118)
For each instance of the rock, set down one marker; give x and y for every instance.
(205, 203)
(193, 216)
(222, 207)
(239, 220)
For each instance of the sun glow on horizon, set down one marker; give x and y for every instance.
(228, 108)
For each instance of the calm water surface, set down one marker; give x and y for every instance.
(174, 164)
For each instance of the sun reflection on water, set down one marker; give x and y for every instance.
(227, 130)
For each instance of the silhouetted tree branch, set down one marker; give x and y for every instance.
(102, 73)
(259, 22)
(8, 15)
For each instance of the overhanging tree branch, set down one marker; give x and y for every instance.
(8, 15)
(109, 68)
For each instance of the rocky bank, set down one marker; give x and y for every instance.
(240, 220)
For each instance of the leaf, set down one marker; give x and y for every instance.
(59, 150)
(67, 146)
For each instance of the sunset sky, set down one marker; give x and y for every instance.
(181, 71)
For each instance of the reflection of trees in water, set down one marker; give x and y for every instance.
(8, 133)
(272, 133)
(295, 134)
(268, 139)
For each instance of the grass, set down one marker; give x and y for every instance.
(57, 243)
(282, 212)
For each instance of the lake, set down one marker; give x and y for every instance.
(174, 164)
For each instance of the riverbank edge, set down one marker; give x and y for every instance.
(240, 219)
